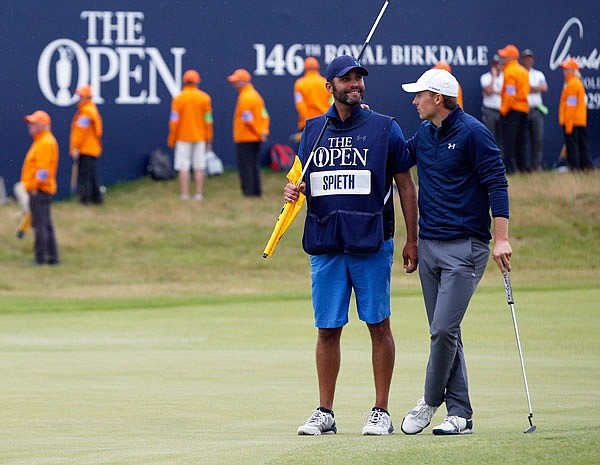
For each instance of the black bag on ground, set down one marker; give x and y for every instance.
(160, 166)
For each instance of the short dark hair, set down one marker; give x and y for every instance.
(449, 102)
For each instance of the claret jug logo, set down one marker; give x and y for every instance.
(114, 50)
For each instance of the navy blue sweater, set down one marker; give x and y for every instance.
(461, 177)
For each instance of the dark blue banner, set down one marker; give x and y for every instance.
(133, 54)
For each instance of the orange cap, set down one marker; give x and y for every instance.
(84, 91)
(38, 117)
(311, 63)
(570, 64)
(191, 76)
(239, 75)
(443, 65)
(510, 51)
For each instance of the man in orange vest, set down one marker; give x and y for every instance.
(38, 176)
(85, 145)
(514, 110)
(310, 94)
(250, 128)
(191, 133)
(572, 116)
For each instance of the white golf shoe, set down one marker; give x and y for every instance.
(378, 423)
(454, 425)
(418, 418)
(318, 423)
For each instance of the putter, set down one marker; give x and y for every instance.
(362, 50)
(511, 303)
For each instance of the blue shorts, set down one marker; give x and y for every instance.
(334, 276)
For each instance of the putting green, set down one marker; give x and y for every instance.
(230, 381)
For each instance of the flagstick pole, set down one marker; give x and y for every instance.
(383, 8)
(362, 51)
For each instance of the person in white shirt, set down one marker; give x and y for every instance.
(537, 109)
(491, 87)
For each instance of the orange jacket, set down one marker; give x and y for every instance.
(86, 130)
(191, 117)
(515, 88)
(250, 119)
(572, 110)
(311, 97)
(41, 163)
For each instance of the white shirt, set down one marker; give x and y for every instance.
(494, 100)
(535, 79)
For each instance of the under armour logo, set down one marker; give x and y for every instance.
(359, 138)
(451, 146)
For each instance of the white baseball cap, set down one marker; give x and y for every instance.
(439, 81)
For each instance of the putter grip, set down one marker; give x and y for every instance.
(508, 288)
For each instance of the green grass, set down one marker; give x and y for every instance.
(229, 382)
(145, 242)
(164, 338)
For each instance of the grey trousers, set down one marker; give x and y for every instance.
(535, 127)
(449, 272)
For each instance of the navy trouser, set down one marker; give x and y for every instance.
(89, 188)
(248, 161)
(45, 248)
(449, 272)
(578, 154)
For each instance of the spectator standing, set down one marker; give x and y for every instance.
(191, 133)
(461, 178)
(491, 90)
(349, 231)
(310, 94)
(85, 146)
(250, 128)
(38, 176)
(572, 116)
(514, 109)
(537, 110)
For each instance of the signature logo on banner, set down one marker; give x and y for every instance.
(562, 47)
(114, 50)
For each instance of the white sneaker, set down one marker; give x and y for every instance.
(378, 422)
(454, 425)
(198, 197)
(418, 418)
(319, 423)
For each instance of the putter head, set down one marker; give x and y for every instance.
(531, 428)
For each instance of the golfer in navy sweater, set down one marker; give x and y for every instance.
(461, 178)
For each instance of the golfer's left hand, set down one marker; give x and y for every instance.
(501, 254)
